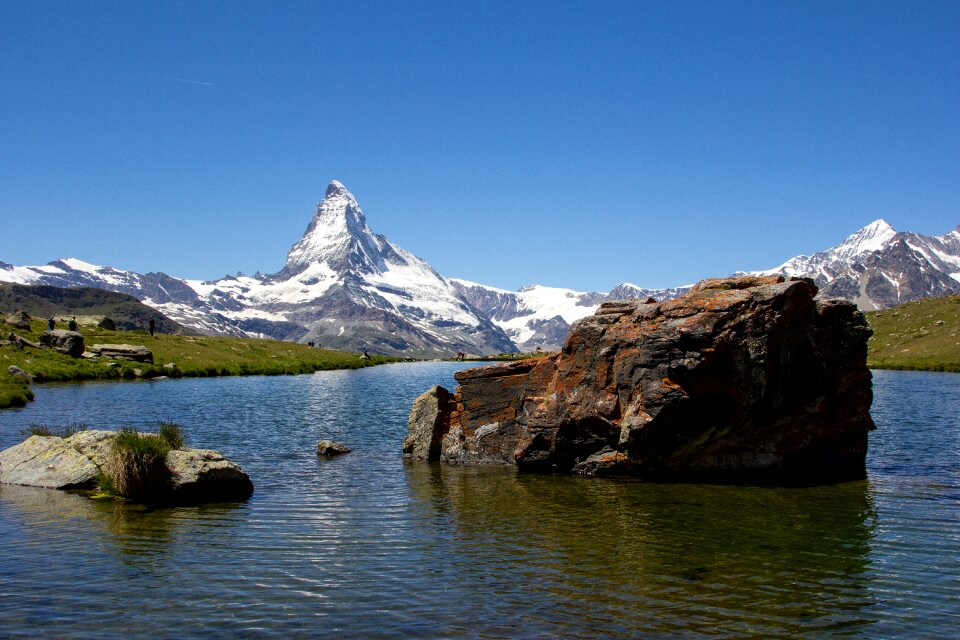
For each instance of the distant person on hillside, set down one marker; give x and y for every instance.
(72, 325)
(51, 323)
(153, 325)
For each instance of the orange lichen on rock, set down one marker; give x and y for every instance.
(741, 378)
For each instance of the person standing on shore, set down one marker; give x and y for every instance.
(51, 323)
(153, 325)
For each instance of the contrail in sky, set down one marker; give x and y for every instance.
(206, 84)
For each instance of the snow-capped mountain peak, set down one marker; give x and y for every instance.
(337, 235)
(878, 267)
(872, 237)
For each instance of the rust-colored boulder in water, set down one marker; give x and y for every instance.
(742, 379)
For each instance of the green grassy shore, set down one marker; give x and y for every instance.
(194, 356)
(923, 335)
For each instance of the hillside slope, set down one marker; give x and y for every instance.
(917, 335)
(42, 301)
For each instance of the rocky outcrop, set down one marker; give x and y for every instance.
(18, 320)
(135, 352)
(429, 419)
(47, 461)
(74, 462)
(62, 341)
(746, 379)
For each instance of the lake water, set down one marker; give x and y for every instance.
(369, 546)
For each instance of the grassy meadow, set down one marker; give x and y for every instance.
(194, 356)
(917, 335)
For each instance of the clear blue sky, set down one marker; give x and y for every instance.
(563, 143)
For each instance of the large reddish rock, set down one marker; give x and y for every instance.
(742, 379)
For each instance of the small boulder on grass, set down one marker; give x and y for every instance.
(331, 449)
(19, 320)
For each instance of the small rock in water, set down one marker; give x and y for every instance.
(331, 449)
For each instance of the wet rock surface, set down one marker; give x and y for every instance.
(742, 379)
(331, 449)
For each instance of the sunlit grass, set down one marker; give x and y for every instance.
(188, 356)
(918, 335)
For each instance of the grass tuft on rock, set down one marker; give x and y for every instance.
(136, 467)
(172, 434)
(58, 432)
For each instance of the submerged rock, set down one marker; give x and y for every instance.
(331, 449)
(195, 475)
(746, 379)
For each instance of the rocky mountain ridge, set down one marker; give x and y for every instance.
(878, 267)
(345, 286)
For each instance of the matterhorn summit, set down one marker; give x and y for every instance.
(337, 235)
(344, 286)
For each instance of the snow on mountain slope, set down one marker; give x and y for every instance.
(539, 316)
(342, 286)
(878, 267)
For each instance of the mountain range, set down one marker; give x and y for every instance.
(344, 286)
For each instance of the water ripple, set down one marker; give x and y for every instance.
(368, 546)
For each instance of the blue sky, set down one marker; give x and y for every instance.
(562, 143)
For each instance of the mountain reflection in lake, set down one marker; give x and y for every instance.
(369, 546)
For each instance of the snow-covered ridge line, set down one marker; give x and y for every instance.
(879, 267)
(344, 286)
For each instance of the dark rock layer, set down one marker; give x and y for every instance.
(742, 379)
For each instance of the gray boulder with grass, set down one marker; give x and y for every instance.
(17, 372)
(19, 320)
(150, 470)
(135, 352)
(61, 341)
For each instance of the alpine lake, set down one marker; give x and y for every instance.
(369, 546)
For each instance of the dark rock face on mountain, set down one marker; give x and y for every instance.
(742, 379)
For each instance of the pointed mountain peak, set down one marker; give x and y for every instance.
(872, 237)
(336, 188)
(337, 235)
(878, 227)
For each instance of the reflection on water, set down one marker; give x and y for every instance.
(637, 557)
(369, 546)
